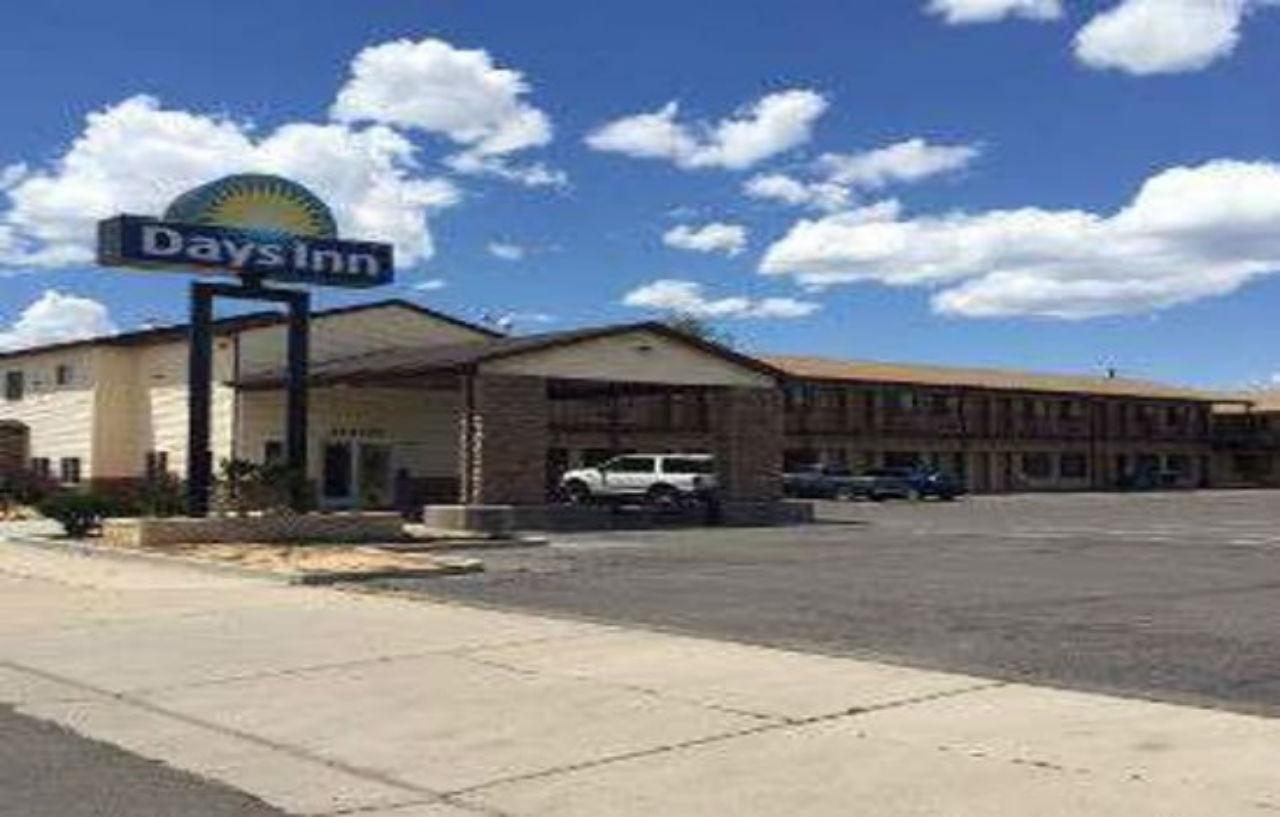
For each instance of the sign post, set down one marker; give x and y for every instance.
(258, 228)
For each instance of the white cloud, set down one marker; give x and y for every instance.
(833, 180)
(786, 189)
(11, 175)
(507, 251)
(773, 124)
(461, 94)
(536, 174)
(688, 298)
(55, 318)
(136, 157)
(964, 12)
(730, 239)
(1189, 233)
(1163, 36)
(909, 161)
(431, 285)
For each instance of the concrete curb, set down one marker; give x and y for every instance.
(218, 568)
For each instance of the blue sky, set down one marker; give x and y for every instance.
(993, 234)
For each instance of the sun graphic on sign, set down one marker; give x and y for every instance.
(258, 203)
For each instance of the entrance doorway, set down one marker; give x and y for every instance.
(356, 474)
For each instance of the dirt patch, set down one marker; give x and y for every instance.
(315, 559)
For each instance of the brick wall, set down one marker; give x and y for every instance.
(747, 425)
(504, 460)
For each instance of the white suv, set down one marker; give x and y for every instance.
(659, 479)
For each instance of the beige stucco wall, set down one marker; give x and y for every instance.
(119, 441)
(160, 423)
(637, 357)
(127, 401)
(60, 418)
(421, 426)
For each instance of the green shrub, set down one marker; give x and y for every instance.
(25, 488)
(245, 486)
(162, 497)
(78, 513)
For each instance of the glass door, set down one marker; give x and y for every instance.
(374, 477)
(337, 479)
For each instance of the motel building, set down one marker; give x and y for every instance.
(409, 406)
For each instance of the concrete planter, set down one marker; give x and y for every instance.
(504, 520)
(340, 528)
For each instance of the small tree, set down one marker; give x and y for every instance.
(245, 486)
(699, 328)
(234, 487)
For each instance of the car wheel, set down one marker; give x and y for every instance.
(663, 496)
(577, 493)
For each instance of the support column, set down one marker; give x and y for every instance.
(504, 437)
(749, 429)
(199, 395)
(296, 410)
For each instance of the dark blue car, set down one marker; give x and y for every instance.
(912, 483)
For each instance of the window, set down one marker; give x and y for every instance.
(69, 470)
(1037, 465)
(1073, 466)
(157, 464)
(1251, 466)
(1178, 463)
(13, 385)
(631, 465)
(799, 396)
(688, 465)
(939, 404)
(799, 459)
(40, 467)
(1172, 416)
(901, 459)
(273, 451)
(63, 375)
(902, 400)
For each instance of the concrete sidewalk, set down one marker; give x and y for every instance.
(323, 702)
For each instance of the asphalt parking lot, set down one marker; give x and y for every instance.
(1173, 596)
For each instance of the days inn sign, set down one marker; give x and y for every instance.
(257, 228)
(254, 226)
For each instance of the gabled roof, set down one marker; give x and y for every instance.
(826, 369)
(404, 362)
(239, 323)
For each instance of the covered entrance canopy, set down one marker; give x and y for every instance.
(520, 408)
